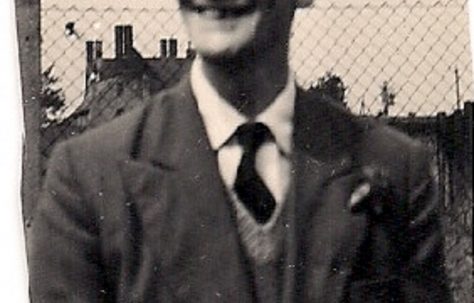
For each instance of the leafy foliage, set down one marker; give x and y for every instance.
(52, 97)
(331, 86)
(387, 97)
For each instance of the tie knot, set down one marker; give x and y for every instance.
(251, 135)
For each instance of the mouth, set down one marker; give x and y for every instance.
(218, 10)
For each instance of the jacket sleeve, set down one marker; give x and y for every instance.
(425, 279)
(63, 254)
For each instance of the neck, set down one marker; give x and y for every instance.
(249, 85)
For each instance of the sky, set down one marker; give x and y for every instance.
(414, 45)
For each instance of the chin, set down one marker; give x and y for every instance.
(222, 37)
(222, 52)
(234, 31)
(226, 55)
(231, 53)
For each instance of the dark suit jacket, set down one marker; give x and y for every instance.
(136, 211)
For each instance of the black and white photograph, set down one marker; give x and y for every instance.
(260, 151)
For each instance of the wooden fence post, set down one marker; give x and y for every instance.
(28, 28)
(469, 116)
(441, 157)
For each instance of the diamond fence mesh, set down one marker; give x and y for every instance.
(402, 61)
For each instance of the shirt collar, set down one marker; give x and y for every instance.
(221, 119)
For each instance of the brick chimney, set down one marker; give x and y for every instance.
(190, 52)
(93, 56)
(123, 40)
(98, 49)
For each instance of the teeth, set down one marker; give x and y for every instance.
(214, 12)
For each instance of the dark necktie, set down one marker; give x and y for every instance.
(248, 185)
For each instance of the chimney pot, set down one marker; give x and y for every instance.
(173, 48)
(119, 46)
(163, 48)
(128, 39)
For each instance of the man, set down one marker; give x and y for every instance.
(235, 186)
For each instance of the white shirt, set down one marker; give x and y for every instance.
(221, 120)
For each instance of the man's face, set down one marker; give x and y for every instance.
(230, 29)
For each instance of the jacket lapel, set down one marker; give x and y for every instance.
(188, 219)
(173, 179)
(327, 233)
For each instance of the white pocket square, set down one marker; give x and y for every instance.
(374, 182)
(359, 194)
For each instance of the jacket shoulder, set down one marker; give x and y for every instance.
(117, 137)
(113, 137)
(404, 160)
(390, 144)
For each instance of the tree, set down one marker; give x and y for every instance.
(52, 97)
(332, 86)
(387, 96)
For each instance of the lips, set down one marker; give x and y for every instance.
(220, 10)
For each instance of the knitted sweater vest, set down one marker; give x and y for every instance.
(264, 247)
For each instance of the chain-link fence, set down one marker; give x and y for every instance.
(451, 140)
(406, 61)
